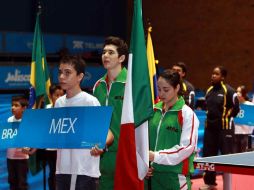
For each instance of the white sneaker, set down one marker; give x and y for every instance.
(208, 187)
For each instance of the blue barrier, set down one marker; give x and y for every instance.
(202, 117)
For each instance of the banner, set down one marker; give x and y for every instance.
(22, 42)
(69, 127)
(17, 77)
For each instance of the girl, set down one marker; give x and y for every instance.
(173, 132)
(242, 131)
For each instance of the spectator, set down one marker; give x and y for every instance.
(187, 89)
(242, 131)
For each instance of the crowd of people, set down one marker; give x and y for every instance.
(173, 128)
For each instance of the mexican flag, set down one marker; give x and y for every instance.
(132, 160)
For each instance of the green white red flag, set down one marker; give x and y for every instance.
(132, 160)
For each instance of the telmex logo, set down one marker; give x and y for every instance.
(78, 44)
(17, 77)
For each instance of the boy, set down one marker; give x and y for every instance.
(55, 91)
(187, 89)
(75, 168)
(17, 158)
(110, 91)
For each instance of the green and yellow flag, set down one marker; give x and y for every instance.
(39, 78)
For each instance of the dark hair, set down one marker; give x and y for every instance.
(122, 47)
(172, 77)
(53, 88)
(244, 92)
(223, 71)
(23, 100)
(75, 60)
(182, 65)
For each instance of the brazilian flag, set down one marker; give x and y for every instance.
(39, 79)
(40, 83)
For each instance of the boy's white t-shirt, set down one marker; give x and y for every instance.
(15, 153)
(77, 161)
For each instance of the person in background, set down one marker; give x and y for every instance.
(17, 158)
(222, 106)
(110, 91)
(187, 89)
(75, 168)
(242, 132)
(55, 91)
(173, 136)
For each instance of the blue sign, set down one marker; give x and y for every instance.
(69, 127)
(9, 132)
(17, 77)
(245, 115)
(78, 44)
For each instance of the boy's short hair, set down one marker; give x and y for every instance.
(122, 47)
(75, 60)
(181, 65)
(23, 100)
(53, 88)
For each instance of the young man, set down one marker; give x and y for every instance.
(75, 168)
(187, 89)
(17, 158)
(110, 91)
(222, 105)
